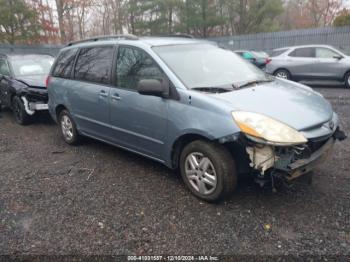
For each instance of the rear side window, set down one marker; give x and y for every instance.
(95, 64)
(64, 64)
(303, 52)
(278, 52)
(134, 65)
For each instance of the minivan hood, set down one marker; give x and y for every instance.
(293, 104)
(37, 81)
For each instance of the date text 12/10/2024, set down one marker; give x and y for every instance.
(172, 258)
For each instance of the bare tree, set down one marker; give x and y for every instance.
(60, 12)
(323, 12)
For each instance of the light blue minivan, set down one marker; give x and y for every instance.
(192, 106)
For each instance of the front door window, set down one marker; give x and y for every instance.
(134, 65)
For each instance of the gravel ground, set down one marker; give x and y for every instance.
(97, 199)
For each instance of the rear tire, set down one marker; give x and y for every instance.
(208, 170)
(282, 73)
(68, 128)
(19, 112)
(347, 80)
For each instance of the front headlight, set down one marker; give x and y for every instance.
(267, 129)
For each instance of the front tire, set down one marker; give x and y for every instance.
(19, 112)
(68, 128)
(282, 73)
(208, 170)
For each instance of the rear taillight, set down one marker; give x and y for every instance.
(47, 82)
(268, 60)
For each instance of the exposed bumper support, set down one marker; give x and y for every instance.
(266, 158)
(26, 106)
(304, 166)
(32, 107)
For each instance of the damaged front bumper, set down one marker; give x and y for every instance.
(34, 99)
(291, 162)
(304, 166)
(32, 107)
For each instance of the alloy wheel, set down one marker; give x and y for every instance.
(201, 173)
(67, 127)
(282, 74)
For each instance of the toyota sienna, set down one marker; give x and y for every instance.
(193, 107)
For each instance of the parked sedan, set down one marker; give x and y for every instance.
(312, 62)
(23, 84)
(258, 58)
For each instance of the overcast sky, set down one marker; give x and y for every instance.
(347, 3)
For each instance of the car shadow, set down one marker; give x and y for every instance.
(42, 117)
(246, 186)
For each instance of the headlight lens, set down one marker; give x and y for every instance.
(272, 131)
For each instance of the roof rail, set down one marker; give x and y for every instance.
(105, 37)
(179, 35)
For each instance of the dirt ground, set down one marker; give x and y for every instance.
(96, 199)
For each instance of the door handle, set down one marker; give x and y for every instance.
(116, 97)
(103, 93)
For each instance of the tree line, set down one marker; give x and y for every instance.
(61, 21)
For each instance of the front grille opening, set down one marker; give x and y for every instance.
(315, 145)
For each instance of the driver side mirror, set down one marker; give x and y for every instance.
(153, 87)
(339, 57)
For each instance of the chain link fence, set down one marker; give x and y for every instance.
(336, 36)
(30, 49)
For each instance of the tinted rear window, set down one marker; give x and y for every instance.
(64, 64)
(95, 64)
(303, 52)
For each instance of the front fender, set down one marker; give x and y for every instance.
(198, 114)
(198, 132)
(18, 88)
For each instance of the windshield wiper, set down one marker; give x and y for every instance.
(213, 89)
(255, 82)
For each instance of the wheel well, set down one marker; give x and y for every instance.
(180, 143)
(236, 149)
(59, 109)
(347, 72)
(12, 97)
